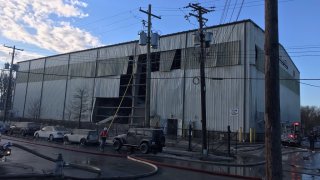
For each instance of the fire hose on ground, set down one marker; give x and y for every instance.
(60, 164)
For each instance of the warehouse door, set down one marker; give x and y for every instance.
(172, 127)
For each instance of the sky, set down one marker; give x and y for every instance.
(48, 27)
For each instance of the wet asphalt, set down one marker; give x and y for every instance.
(297, 165)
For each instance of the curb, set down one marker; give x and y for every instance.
(198, 170)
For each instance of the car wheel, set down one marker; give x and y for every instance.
(36, 136)
(51, 138)
(83, 142)
(117, 145)
(66, 140)
(144, 148)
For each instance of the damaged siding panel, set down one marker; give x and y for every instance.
(223, 54)
(115, 66)
(166, 60)
(168, 43)
(22, 75)
(117, 51)
(83, 64)
(36, 70)
(190, 58)
(56, 68)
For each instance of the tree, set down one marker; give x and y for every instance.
(4, 79)
(79, 106)
(310, 117)
(34, 108)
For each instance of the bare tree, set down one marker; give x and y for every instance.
(310, 117)
(4, 79)
(79, 106)
(34, 108)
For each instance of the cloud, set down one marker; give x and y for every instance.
(5, 55)
(44, 23)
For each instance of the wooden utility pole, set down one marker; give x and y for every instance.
(272, 97)
(201, 10)
(8, 95)
(148, 76)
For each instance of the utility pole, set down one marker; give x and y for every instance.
(272, 97)
(201, 10)
(8, 95)
(148, 77)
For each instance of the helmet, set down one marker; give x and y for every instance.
(105, 129)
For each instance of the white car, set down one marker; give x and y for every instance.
(82, 136)
(51, 132)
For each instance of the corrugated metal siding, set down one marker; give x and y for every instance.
(166, 94)
(19, 95)
(20, 88)
(22, 75)
(222, 96)
(52, 99)
(56, 68)
(34, 86)
(257, 97)
(117, 51)
(36, 70)
(289, 105)
(79, 83)
(107, 87)
(115, 66)
(32, 99)
(172, 42)
(166, 60)
(289, 90)
(83, 63)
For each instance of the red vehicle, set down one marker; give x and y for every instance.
(291, 133)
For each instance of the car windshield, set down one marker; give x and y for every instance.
(60, 128)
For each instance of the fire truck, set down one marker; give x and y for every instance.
(291, 133)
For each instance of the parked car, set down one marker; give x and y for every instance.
(51, 132)
(24, 128)
(145, 139)
(4, 128)
(82, 136)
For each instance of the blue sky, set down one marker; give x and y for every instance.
(51, 27)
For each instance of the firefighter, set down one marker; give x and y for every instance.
(311, 140)
(103, 138)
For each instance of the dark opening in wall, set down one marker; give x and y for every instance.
(155, 61)
(176, 64)
(141, 76)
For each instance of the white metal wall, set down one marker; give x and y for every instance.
(54, 87)
(20, 89)
(289, 98)
(34, 87)
(166, 94)
(227, 100)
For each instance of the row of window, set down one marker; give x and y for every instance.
(222, 54)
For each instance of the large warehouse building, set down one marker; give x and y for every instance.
(102, 77)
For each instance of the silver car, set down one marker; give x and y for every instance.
(51, 132)
(82, 136)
